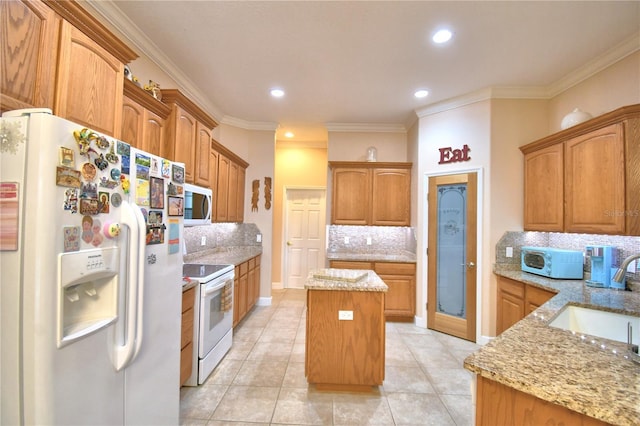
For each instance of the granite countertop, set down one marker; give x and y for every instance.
(592, 376)
(345, 280)
(224, 255)
(373, 256)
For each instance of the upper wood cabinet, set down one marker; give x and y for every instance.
(586, 178)
(230, 183)
(28, 49)
(189, 129)
(371, 193)
(56, 55)
(144, 119)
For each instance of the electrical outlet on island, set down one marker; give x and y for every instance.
(203, 241)
(368, 241)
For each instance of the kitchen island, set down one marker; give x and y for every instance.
(537, 373)
(345, 335)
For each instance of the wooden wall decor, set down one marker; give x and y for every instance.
(267, 193)
(255, 195)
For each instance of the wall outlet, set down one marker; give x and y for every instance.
(632, 267)
(258, 238)
(509, 252)
(368, 241)
(346, 240)
(203, 241)
(345, 315)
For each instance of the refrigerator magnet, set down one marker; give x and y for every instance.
(71, 238)
(67, 157)
(166, 168)
(177, 173)
(157, 193)
(89, 206)
(67, 177)
(88, 171)
(116, 199)
(71, 200)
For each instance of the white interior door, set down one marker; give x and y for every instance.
(304, 234)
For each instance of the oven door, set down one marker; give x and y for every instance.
(216, 316)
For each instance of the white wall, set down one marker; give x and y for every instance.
(352, 146)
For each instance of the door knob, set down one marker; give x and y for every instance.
(471, 265)
(289, 243)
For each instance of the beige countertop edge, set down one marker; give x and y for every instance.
(371, 283)
(231, 257)
(372, 257)
(555, 365)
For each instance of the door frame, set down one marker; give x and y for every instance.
(285, 228)
(424, 276)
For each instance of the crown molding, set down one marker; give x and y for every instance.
(366, 127)
(145, 45)
(249, 125)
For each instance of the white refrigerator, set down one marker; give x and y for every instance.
(91, 274)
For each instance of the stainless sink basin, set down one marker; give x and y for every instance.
(598, 323)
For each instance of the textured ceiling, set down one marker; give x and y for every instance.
(360, 62)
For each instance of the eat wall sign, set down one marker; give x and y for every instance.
(450, 155)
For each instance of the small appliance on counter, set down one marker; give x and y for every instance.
(552, 262)
(602, 260)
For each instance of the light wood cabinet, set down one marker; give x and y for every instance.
(144, 119)
(498, 404)
(400, 299)
(370, 193)
(585, 179)
(230, 184)
(517, 300)
(28, 45)
(345, 355)
(186, 344)
(246, 288)
(188, 136)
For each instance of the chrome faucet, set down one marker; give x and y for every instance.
(619, 275)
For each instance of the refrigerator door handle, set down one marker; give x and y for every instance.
(142, 243)
(125, 353)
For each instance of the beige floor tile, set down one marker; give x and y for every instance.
(418, 409)
(283, 334)
(303, 407)
(361, 409)
(460, 407)
(239, 350)
(455, 381)
(200, 402)
(247, 404)
(298, 352)
(261, 373)
(273, 351)
(294, 376)
(247, 333)
(225, 372)
(406, 380)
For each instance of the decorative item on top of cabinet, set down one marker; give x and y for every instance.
(596, 189)
(143, 119)
(188, 136)
(371, 193)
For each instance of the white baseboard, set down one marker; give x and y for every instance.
(264, 301)
(483, 340)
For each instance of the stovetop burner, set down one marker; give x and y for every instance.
(204, 272)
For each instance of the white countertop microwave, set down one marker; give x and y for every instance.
(198, 205)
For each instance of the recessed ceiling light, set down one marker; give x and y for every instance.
(277, 93)
(442, 36)
(421, 93)
(289, 135)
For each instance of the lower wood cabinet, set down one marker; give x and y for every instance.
(497, 404)
(400, 299)
(345, 355)
(246, 289)
(516, 300)
(186, 344)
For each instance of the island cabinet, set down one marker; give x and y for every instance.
(498, 404)
(44, 44)
(400, 299)
(517, 300)
(345, 334)
(585, 178)
(230, 184)
(186, 344)
(144, 119)
(188, 137)
(370, 193)
(246, 290)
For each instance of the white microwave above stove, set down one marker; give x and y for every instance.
(198, 205)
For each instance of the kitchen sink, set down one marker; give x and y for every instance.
(598, 323)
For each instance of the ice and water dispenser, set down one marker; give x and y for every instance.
(87, 292)
(603, 259)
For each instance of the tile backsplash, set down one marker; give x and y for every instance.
(387, 239)
(626, 246)
(218, 235)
